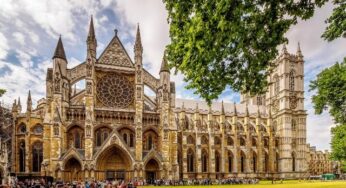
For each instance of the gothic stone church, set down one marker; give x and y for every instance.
(112, 130)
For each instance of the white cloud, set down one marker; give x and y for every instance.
(19, 37)
(3, 46)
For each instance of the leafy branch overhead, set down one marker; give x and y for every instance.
(2, 91)
(219, 43)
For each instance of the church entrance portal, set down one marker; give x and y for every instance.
(114, 164)
(73, 170)
(152, 171)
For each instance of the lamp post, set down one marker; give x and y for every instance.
(45, 164)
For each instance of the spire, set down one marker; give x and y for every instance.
(222, 109)
(138, 43)
(197, 108)
(235, 109)
(59, 50)
(91, 33)
(29, 103)
(299, 52)
(164, 65)
(14, 106)
(19, 105)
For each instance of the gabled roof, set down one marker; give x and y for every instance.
(115, 54)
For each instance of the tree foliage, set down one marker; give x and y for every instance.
(339, 143)
(2, 91)
(337, 21)
(219, 43)
(331, 92)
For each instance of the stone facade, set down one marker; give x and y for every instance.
(111, 129)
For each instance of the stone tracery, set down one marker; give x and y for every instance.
(114, 90)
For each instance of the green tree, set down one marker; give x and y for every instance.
(330, 86)
(2, 91)
(219, 43)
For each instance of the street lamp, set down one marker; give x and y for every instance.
(45, 164)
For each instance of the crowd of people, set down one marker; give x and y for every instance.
(41, 183)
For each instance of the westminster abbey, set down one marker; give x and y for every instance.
(110, 129)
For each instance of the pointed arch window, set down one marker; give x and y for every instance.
(22, 156)
(125, 137)
(131, 140)
(190, 161)
(98, 138)
(294, 125)
(204, 161)
(37, 157)
(276, 84)
(254, 162)
(217, 161)
(242, 162)
(77, 140)
(150, 142)
(291, 81)
(293, 162)
(230, 162)
(266, 162)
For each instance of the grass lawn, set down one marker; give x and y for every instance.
(263, 184)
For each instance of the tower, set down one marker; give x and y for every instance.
(285, 97)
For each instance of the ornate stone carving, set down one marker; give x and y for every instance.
(293, 102)
(88, 130)
(115, 54)
(114, 90)
(56, 129)
(89, 88)
(139, 92)
(57, 82)
(89, 68)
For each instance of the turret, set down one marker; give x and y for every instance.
(14, 106)
(91, 41)
(29, 103)
(59, 58)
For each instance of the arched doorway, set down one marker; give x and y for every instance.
(114, 163)
(72, 170)
(152, 171)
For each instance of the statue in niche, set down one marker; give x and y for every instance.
(88, 130)
(139, 92)
(56, 129)
(57, 82)
(89, 68)
(139, 73)
(165, 93)
(89, 88)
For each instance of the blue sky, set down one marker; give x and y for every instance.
(29, 31)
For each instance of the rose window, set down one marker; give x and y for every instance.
(114, 90)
